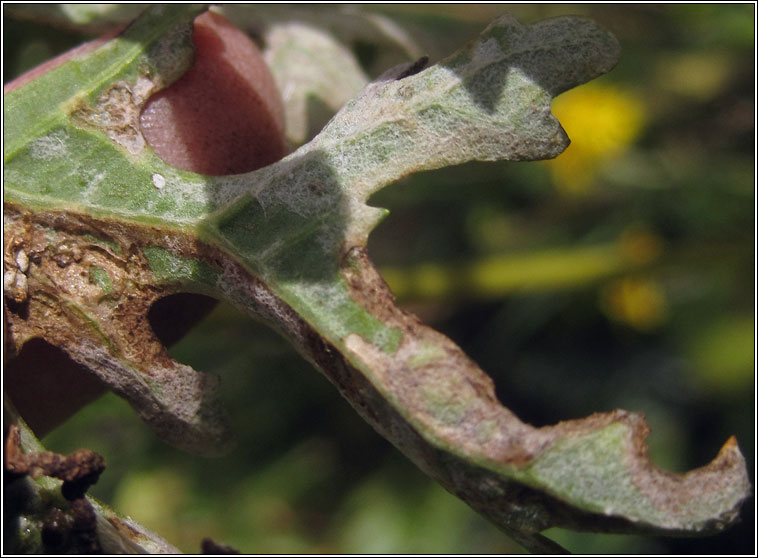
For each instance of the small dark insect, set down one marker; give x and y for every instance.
(414, 68)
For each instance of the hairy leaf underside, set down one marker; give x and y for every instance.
(98, 228)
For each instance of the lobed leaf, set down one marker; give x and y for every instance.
(313, 71)
(109, 228)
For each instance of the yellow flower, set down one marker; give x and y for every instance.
(635, 301)
(602, 121)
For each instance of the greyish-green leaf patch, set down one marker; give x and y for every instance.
(109, 229)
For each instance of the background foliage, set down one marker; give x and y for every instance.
(620, 274)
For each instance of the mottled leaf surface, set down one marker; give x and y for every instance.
(108, 229)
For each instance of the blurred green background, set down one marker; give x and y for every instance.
(619, 275)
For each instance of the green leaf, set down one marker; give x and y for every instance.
(87, 17)
(286, 243)
(312, 70)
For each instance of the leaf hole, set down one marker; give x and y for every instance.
(172, 316)
(47, 386)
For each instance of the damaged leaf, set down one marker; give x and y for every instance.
(53, 518)
(107, 229)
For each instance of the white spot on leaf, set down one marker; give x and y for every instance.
(22, 261)
(158, 181)
(15, 285)
(9, 279)
(51, 146)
